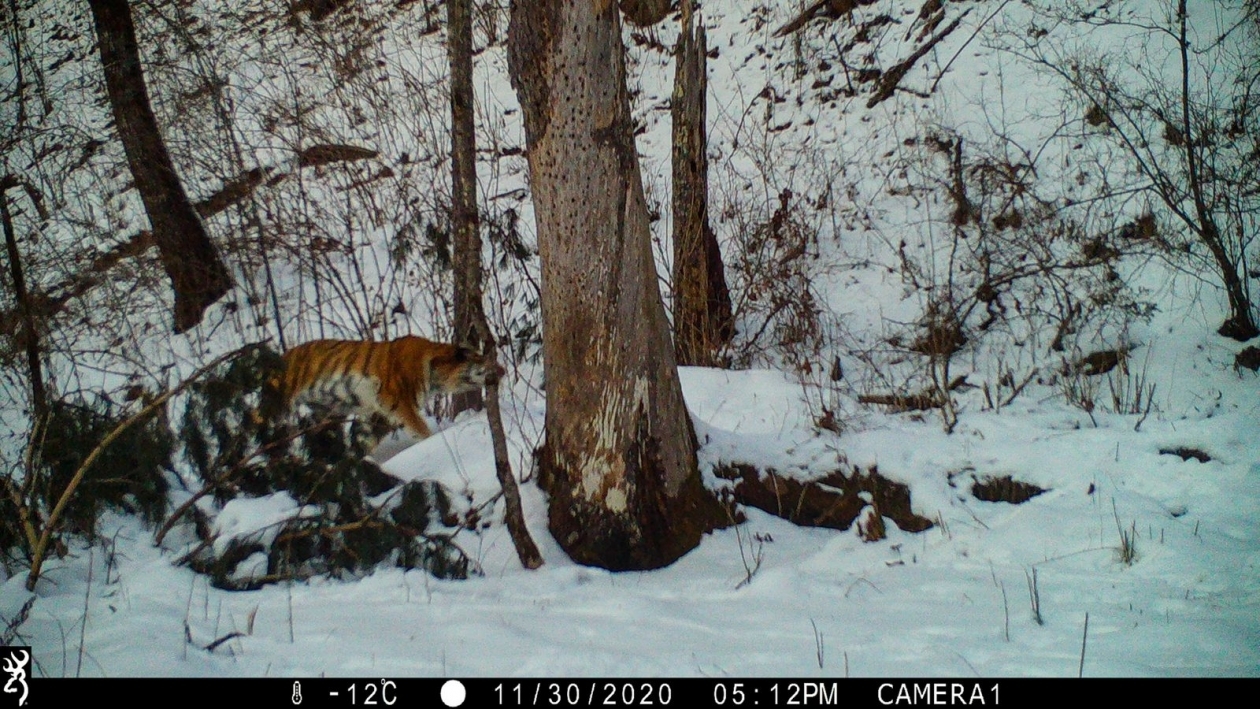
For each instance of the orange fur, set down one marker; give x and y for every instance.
(395, 379)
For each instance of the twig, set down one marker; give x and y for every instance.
(1034, 596)
(225, 638)
(87, 598)
(819, 646)
(1080, 672)
(750, 570)
(10, 632)
(974, 671)
(1020, 388)
(1006, 611)
(979, 27)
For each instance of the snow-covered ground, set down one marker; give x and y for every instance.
(952, 601)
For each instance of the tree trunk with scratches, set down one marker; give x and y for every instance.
(198, 274)
(702, 302)
(619, 459)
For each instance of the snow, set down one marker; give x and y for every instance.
(928, 604)
(768, 598)
(258, 517)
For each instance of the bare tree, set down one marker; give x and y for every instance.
(466, 237)
(1191, 134)
(470, 317)
(619, 460)
(702, 301)
(28, 331)
(198, 274)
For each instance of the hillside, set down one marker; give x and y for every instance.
(914, 208)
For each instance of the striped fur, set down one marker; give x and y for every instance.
(394, 379)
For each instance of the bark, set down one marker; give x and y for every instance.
(619, 459)
(466, 237)
(198, 274)
(702, 301)
(470, 317)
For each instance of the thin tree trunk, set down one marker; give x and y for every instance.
(198, 275)
(470, 317)
(619, 460)
(702, 301)
(526, 550)
(28, 338)
(1240, 325)
(466, 239)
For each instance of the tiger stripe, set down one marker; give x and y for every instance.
(395, 379)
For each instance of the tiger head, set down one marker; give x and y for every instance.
(462, 368)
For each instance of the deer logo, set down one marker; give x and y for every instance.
(17, 674)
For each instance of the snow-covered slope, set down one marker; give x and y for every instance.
(1162, 552)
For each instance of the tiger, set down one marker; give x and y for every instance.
(392, 380)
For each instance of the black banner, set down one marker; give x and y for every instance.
(483, 693)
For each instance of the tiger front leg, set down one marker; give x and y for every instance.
(411, 418)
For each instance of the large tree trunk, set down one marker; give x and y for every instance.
(198, 275)
(619, 460)
(702, 302)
